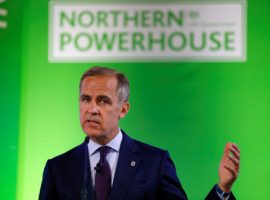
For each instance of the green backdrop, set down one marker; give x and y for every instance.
(190, 109)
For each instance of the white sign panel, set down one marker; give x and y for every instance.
(83, 32)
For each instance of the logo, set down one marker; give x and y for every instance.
(83, 32)
(3, 14)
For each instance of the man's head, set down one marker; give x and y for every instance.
(122, 81)
(104, 97)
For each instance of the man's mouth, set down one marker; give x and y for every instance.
(92, 121)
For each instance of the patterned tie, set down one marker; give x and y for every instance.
(103, 175)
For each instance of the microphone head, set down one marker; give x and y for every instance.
(98, 168)
(86, 140)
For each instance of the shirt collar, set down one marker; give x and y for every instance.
(114, 143)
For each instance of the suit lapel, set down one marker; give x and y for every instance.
(127, 165)
(77, 170)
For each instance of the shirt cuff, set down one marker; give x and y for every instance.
(222, 195)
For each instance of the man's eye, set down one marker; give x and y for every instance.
(104, 101)
(85, 99)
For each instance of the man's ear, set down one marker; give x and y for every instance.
(124, 109)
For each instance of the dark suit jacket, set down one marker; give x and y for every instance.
(152, 178)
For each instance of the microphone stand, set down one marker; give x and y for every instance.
(84, 192)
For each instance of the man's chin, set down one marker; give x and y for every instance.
(93, 132)
(97, 136)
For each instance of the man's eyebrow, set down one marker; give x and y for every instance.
(103, 97)
(84, 95)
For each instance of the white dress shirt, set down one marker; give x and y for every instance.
(112, 156)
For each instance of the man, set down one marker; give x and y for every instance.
(111, 165)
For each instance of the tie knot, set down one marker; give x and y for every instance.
(103, 152)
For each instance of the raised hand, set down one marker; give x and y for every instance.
(229, 167)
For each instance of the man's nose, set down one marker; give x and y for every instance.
(93, 108)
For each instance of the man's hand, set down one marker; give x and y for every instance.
(229, 167)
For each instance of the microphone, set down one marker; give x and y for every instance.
(98, 168)
(86, 140)
(84, 192)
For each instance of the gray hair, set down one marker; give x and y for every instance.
(122, 81)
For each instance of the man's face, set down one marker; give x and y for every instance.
(100, 109)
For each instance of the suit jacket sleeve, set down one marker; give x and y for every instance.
(48, 189)
(212, 195)
(169, 185)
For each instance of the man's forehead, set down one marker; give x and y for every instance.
(99, 83)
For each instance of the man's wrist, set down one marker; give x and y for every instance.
(224, 187)
(222, 193)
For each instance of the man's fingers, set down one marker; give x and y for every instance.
(235, 152)
(236, 147)
(227, 148)
(233, 171)
(233, 148)
(235, 161)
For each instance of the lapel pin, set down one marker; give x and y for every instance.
(133, 163)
